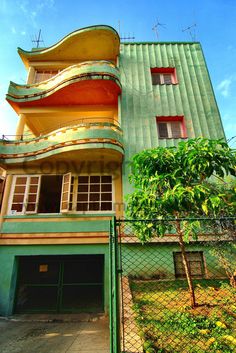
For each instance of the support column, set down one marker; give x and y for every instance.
(20, 127)
(31, 75)
(6, 194)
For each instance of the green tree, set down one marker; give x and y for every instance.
(181, 183)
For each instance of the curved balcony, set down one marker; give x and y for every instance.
(89, 43)
(83, 136)
(91, 82)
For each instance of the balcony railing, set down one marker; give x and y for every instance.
(79, 136)
(81, 122)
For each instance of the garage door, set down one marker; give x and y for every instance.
(60, 284)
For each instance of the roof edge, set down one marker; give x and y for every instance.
(25, 54)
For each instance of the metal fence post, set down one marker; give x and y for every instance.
(111, 289)
(114, 290)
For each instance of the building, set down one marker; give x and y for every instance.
(90, 103)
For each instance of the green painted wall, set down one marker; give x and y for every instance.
(55, 227)
(157, 260)
(8, 273)
(141, 102)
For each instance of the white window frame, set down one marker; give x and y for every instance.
(26, 194)
(162, 78)
(189, 260)
(66, 210)
(169, 129)
(74, 200)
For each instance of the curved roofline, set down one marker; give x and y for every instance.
(24, 54)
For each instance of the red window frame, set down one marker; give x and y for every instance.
(166, 70)
(169, 119)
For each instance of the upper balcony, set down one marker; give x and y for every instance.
(90, 43)
(91, 83)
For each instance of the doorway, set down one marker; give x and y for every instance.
(71, 283)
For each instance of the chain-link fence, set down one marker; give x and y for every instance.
(157, 311)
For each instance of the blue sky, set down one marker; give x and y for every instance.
(215, 29)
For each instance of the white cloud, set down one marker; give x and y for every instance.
(13, 30)
(32, 10)
(224, 86)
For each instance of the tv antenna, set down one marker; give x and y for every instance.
(128, 37)
(38, 39)
(192, 31)
(155, 27)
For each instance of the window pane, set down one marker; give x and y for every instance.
(94, 197)
(106, 179)
(167, 79)
(95, 179)
(156, 79)
(82, 207)
(17, 207)
(106, 206)
(106, 187)
(21, 180)
(176, 129)
(33, 189)
(82, 197)
(20, 189)
(95, 188)
(30, 207)
(162, 130)
(83, 188)
(18, 198)
(107, 197)
(32, 198)
(34, 180)
(94, 206)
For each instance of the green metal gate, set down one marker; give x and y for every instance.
(60, 284)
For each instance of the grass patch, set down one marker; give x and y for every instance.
(169, 325)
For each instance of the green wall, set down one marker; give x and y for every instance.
(8, 273)
(156, 260)
(141, 102)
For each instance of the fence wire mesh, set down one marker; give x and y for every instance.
(156, 311)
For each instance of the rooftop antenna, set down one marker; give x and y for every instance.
(155, 27)
(192, 31)
(128, 37)
(37, 39)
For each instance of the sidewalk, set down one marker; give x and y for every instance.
(57, 333)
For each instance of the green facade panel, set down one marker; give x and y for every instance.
(141, 102)
(55, 227)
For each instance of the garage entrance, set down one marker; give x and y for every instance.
(60, 284)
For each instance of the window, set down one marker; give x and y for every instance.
(90, 193)
(61, 193)
(195, 262)
(171, 127)
(25, 194)
(163, 76)
(43, 75)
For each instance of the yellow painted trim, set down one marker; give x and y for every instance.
(90, 43)
(54, 242)
(64, 219)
